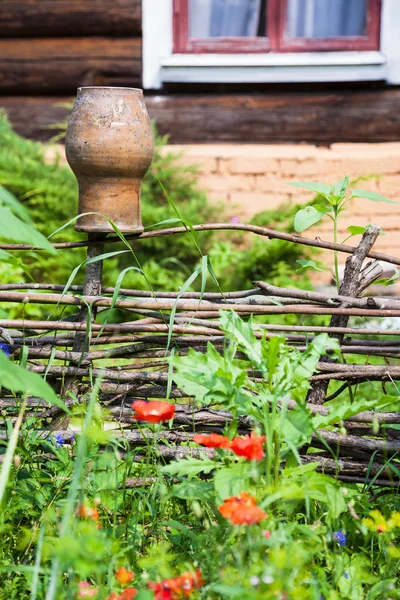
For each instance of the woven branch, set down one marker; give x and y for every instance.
(140, 349)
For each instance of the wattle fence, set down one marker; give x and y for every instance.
(72, 352)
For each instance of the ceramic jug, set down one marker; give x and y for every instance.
(109, 146)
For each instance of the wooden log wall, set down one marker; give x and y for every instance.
(48, 48)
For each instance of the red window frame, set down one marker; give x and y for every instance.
(277, 40)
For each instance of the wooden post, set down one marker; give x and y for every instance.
(352, 285)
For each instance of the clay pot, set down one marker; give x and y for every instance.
(109, 147)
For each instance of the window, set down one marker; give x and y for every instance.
(270, 41)
(240, 26)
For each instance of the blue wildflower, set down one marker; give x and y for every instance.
(346, 575)
(6, 349)
(59, 440)
(340, 537)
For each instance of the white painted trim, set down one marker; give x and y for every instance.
(161, 65)
(274, 68)
(157, 41)
(268, 74)
(390, 39)
(286, 59)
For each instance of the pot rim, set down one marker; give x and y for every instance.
(108, 87)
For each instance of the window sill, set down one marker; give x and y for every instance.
(274, 68)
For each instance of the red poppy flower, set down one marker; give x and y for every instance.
(249, 446)
(213, 440)
(153, 412)
(242, 510)
(123, 576)
(178, 587)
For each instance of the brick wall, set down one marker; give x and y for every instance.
(252, 178)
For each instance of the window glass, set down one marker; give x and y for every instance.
(227, 18)
(324, 19)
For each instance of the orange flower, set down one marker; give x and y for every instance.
(178, 587)
(249, 446)
(153, 412)
(213, 440)
(86, 590)
(242, 510)
(126, 594)
(85, 512)
(123, 576)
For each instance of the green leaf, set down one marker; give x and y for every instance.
(14, 204)
(357, 229)
(230, 481)
(395, 277)
(8, 258)
(145, 595)
(15, 230)
(17, 379)
(340, 187)
(190, 467)
(306, 217)
(185, 287)
(231, 591)
(308, 264)
(210, 377)
(373, 196)
(242, 333)
(193, 490)
(320, 188)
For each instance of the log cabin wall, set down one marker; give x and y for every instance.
(48, 48)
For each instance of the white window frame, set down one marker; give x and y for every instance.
(161, 65)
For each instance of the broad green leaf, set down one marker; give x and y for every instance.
(190, 467)
(320, 188)
(340, 187)
(242, 333)
(230, 481)
(9, 200)
(340, 410)
(193, 490)
(15, 230)
(306, 217)
(357, 229)
(308, 264)
(16, 379)
(211, 378)
(389, 281)
(373, 196)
